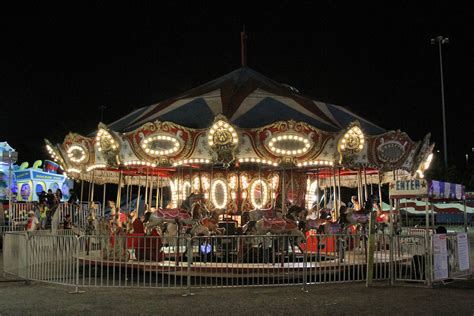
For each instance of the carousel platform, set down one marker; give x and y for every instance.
(218, 266)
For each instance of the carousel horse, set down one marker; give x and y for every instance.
(277, 226)
(178, 216)
(257, 214)
(189, 202)
(182, 215)
(324, 224)
(92, 225)
(212, 222)
(296, 213)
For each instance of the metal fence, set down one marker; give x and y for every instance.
(78, 213)
(209, 261)
(453, 248)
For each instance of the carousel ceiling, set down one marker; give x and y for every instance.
(240, 119)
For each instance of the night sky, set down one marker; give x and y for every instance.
(59, 65)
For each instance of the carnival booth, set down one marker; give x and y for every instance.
(32, 181)
(248, 147)
(5, 172)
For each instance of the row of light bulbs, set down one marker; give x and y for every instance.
(305, 142)
(258, 160)
(195, 160)
(96, 166)
(139, 163)
(263, 194)
(315, 163)
(70, 154)
(51, 153)
(160, 152)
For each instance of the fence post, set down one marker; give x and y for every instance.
(429, 261)
(78, 247)
(27, 265)
(305, 264)
(189, 248)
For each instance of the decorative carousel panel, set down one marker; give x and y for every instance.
(223, 140)
(162, 142)
(424, 157)
(390, 150)
(352, 146)
(79, 150)
(55, 154)
(287, 142)
(108, 146)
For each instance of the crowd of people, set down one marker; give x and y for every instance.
(48, 203)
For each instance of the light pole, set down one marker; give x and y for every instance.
(442, 40)
(10, 157)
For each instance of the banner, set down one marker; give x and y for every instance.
(463, 251)
(415, 188)
(440, 254)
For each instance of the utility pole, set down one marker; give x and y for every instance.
(441, 41)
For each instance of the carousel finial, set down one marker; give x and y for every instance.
(243, 47)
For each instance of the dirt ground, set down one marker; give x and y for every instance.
(344, 299)
(456, 298)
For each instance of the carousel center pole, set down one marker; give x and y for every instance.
(157, 191)
(146, 188)
(380, 186)
(317, 193)
(103, 200)
(161, 195)
(93, 187)
(119, 191)
(365, 185)
(283, 193)
(138, 194)
(150, 194)
(334, 191)
(339, 189)
(82, 189)
(126, 194)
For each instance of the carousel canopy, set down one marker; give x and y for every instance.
(246, 121)
(249, 100)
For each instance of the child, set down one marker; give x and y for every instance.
(67, 222)
(32, 223)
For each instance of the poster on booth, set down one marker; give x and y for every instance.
(415, 188)
(463, 252)
(440, 256)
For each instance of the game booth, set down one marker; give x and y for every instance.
(250, 152)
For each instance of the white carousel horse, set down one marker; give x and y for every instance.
(257, 214)
(277, 226)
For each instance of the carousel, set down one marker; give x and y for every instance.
(242, 149)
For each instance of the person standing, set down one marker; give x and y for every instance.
(43, 211)
(50, 198)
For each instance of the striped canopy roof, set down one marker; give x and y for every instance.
(248, 99)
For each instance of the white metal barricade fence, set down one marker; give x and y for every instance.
(15, 261)
(456, 256)
(209, 261)
(411, 254)
(78, 213)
